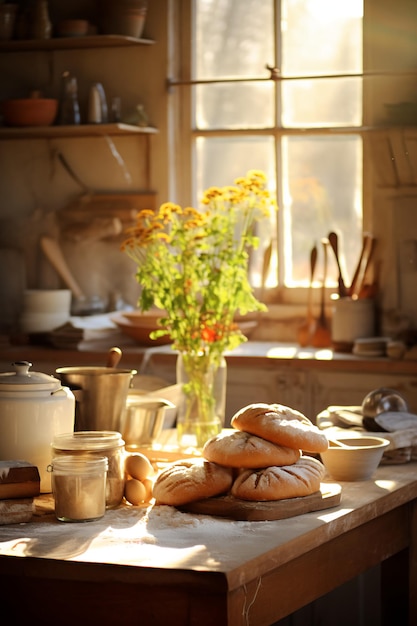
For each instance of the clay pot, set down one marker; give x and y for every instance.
(123, 17)
(30, 111)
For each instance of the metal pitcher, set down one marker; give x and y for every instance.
(100, 395)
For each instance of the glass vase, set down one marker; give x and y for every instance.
(201, 412)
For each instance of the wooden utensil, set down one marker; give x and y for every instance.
(306, 329)
(334, 242)
(366, 256)
(113, 357)
(53, 252)
(321, 336)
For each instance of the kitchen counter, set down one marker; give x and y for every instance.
(258, 352)
(157, 565)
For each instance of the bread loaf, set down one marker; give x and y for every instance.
(243, 450)
(191, 480)
(278, 483)
(281, 425)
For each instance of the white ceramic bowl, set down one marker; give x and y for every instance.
(356, 458)
(47, 301)
(42, 322)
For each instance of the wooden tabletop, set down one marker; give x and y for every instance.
(159, 550)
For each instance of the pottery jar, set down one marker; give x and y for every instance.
(34, 408)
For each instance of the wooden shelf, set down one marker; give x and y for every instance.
(81, 130)
(72, 43)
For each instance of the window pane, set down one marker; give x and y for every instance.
(220, 161)
(323, 193)
(233, 39)
(236, 105)
(336, 26)
(322, 103)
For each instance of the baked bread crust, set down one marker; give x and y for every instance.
(281, 425)
(244, 450)
(279, 483)
(190, 480)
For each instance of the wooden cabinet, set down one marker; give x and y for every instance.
(349, 388)
(281, 386)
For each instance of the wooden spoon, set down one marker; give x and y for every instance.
(358, 266)
(322, 337)
(113, 357)
(334, 242)
(367, 252)
(305, 330)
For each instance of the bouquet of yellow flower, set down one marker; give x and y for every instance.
(193, 265)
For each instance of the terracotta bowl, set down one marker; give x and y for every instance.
(355, 458)
(138, 326)
(29, 111)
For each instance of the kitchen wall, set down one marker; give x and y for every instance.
(35, 188)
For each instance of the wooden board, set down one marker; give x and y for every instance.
(242, 510)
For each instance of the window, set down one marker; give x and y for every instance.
(276, 86)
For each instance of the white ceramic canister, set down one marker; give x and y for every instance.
(351, 320)
(34, 408)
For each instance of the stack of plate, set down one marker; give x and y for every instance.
(370, 346)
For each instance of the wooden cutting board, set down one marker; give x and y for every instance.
(243, 510)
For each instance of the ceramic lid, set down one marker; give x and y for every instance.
(24, 380)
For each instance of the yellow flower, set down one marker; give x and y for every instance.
(193, 263)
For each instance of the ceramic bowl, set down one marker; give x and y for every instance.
(138, 326)
(47, 301)
(355, 458)
(30, 111)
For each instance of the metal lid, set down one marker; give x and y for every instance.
(24, 380)
(88, 440)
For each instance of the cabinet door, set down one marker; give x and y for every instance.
(349, 388)
(246, 386)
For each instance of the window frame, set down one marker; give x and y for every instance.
(180, 86)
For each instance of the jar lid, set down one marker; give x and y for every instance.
(88, 440)
(79, 465)
(21, 379)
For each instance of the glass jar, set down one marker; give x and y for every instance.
(69, 108)
(79, 488)
(89, 444)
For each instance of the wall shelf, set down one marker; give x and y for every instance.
(75, 131)
(72, 43)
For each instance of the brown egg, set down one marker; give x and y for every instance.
(148, 484)
(135, 491)
(138, 466)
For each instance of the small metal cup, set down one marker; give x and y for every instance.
(143, 419)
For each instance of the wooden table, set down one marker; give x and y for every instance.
(156, 565)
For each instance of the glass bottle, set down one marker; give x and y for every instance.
(41, 26)
(69, 108)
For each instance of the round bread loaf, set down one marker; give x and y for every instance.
(191, 480)
(281, 425)
(278, 483)
(244, 450)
